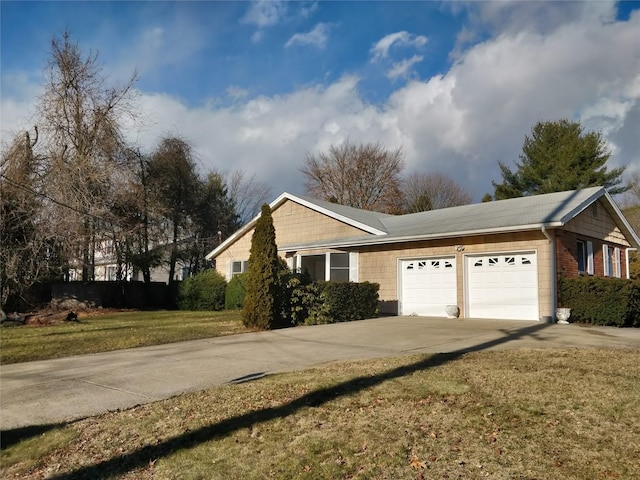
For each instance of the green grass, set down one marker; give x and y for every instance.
(516, 414)
(114, 331)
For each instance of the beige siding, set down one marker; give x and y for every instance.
(596, 222)
(298, 224)
(380, 264)
(294, 223)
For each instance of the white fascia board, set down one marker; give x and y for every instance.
(275, 204)
(632, 233)
(583, 206)
(385, 239)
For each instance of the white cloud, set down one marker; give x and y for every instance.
(459, 123)
(237, 93)
(317, 37)
(403, 68)
(265, 13)
(404, 38)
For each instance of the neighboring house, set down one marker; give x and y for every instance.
(493, 260)
(106, 267)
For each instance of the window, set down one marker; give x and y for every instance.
(581, 255)
(339, 267)
(611, 258)
(239, 267)
(585, 257)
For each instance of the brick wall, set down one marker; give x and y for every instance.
(567, 255)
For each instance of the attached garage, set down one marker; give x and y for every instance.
(502, 286)
(428, 285)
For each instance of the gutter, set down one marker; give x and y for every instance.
(626, 255)
(554, 286)
(389, 239)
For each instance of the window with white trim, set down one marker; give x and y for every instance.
(590, 269)
(585, 257)
(339, 267)
(611, 260)
(617, 271)
(336, 266)
(239, 267)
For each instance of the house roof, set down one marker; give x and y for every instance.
(551, 210)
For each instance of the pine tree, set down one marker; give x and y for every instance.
(559, 156)
(263, 297)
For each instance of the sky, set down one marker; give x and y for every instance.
(257, 86)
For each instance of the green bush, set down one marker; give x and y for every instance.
(204, 291)
(332, 302)
(601, 301)
(235, 291)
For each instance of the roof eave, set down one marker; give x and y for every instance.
(385, 239)
(275, 204)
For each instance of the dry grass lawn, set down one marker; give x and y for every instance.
(518, 414)
(98, 332)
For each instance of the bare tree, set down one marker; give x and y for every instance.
(81, 117)
(27, 252)
(364, 176)
(432, 191)
(247, 193)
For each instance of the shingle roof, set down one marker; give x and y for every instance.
(514, 214)
(518, 214)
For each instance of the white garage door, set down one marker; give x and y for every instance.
(502, 286)
(427, 286)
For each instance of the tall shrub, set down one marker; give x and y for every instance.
(263, 297)
(235, 291)
(204, 291)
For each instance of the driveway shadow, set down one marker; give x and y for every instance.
(141, 457)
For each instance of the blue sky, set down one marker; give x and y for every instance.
(257, 85)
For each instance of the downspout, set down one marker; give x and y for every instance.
(626, 257)
(554, 288)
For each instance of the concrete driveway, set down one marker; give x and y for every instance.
(53, 391)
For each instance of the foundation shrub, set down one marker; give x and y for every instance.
(602, 301)
(332, 302)
(234, 292)
(203, 291)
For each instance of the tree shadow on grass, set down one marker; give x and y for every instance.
(141, 457)
(11, 437)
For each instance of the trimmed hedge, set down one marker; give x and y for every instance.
(235, 291)
(204, 291)
(332, 302)
(601, 301)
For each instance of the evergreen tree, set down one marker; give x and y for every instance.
(262, 301)
(559, 156)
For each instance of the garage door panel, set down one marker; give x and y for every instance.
(502, 286)
(427, 286)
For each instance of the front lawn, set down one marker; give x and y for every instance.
(113, 331)
(516, 414)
